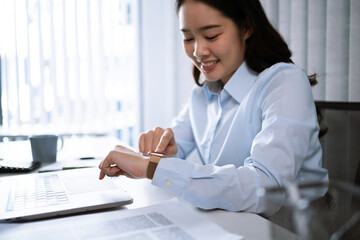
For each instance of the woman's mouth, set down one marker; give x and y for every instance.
(208, 66)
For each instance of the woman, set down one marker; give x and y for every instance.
(252, 118)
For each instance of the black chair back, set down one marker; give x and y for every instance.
(340, 124)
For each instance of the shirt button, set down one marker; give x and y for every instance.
(168, 183)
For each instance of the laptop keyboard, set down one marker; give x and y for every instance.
(7, 165)
(41, 191)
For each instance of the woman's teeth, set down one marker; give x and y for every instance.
(208, 64)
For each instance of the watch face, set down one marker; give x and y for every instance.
(156, 154)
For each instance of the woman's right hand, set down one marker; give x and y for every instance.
(158, 140)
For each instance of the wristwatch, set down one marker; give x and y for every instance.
(153, 162)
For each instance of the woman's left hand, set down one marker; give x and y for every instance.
(123, 161)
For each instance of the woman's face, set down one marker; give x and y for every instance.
(211, 40)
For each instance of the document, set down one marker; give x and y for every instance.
(167, 220)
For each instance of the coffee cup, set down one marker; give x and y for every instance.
(44, 148)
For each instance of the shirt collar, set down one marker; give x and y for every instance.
(238, 85)
(241, 82)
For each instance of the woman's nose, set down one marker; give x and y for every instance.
(200, 49)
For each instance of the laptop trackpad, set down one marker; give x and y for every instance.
(86, 183)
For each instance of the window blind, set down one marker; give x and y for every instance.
(324, 36)
(70, 66)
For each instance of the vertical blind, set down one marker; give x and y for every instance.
(69, 65)
(324, 36)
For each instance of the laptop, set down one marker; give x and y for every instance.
(42, 195)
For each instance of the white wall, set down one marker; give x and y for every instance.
(166, 75)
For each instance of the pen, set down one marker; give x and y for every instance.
(87, 158)
(69, 168)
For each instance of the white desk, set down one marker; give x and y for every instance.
(251, 226)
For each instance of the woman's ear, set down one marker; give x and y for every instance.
(248, 32)
(248, 29)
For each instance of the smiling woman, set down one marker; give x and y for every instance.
(253, 119)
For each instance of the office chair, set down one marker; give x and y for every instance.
(340, 139)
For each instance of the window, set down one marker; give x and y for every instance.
(70, 66)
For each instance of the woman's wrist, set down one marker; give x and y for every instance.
(151, 169)
(153, 163)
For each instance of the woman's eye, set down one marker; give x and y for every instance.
(212, 37)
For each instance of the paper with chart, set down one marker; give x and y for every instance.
(167, 220)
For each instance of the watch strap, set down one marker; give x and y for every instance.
(153, 162)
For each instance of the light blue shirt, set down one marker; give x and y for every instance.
(254, 132)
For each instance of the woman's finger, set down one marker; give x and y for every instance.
(149, 141)
(142, 140)
(165, 140)
(158, 133)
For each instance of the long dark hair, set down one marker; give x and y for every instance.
(265, 47)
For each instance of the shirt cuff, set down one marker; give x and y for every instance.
(172, 174)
